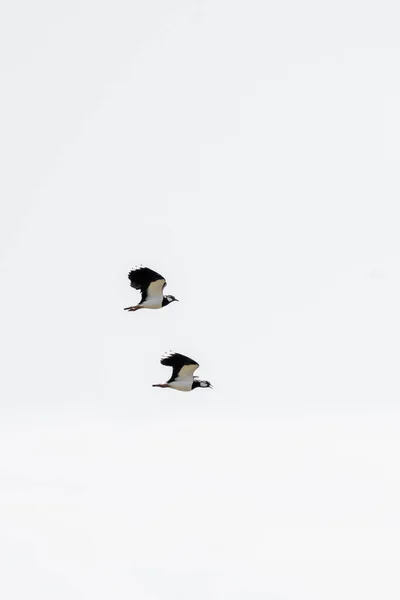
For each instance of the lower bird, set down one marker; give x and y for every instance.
(182, 378)
(151, 286)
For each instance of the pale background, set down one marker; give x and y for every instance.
(250, 152)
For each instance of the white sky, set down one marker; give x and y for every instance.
(250, 152)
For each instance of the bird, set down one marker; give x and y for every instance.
(182, 378)
(151, 286)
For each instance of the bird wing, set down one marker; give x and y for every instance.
(155, 288)
(183, 367)
(147, 281)
(185, 373)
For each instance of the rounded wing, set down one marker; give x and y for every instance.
(150, 283)
(183, 367)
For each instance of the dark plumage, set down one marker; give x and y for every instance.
(183, 369)
(142, 277)
(151, 285)
(177, 361)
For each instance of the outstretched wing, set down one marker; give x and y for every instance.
(183, 367)
(150, 283)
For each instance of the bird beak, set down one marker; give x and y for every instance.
(211, 386)
(176, 300)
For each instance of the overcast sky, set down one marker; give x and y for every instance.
(249, 152)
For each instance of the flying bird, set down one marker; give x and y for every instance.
(182, 378)
(151, 286)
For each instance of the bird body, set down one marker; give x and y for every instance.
(181, 386)
(182, 378)
(151, 286)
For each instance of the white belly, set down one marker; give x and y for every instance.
(153, 302)
(181, 386)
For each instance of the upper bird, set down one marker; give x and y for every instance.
(182, 378)
(151, 285)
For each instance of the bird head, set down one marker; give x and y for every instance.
(205, 384)
(170, 299)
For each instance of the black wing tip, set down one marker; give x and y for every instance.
(165, 360)
(135, 270)
(144, 274)
(175, 358)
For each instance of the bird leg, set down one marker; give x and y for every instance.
(132, 308)
(161, 385)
